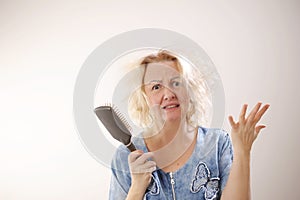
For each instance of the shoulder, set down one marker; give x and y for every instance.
(216, 131)
(213, 138)
(212, 134)
(119, 159)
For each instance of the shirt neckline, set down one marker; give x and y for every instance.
(187, 163)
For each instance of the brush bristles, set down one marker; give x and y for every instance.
(120, 115)
(108, 104)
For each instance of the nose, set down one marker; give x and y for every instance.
(168, 94)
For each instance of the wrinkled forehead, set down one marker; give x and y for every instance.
(161, 71)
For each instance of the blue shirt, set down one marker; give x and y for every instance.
(203, 176)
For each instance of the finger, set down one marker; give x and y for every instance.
(243, 113)
(231, 121)
(254, 111)
(261, 112)
(143, 158)
(149, 166)
(258, 129)
(151, 169)
(134, 155)
(142, 170)
(149, 163)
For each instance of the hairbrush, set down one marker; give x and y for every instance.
(116, 124)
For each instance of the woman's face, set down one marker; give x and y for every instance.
(166, 90)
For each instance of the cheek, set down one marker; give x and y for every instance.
(182, 95)
(153, 100)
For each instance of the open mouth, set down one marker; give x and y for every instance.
(171, 106)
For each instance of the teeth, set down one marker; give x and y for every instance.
(171, 106)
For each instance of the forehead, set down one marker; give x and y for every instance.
(160, 71)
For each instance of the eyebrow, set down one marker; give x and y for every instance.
(160, 81)
(176, 77)
(155, 81)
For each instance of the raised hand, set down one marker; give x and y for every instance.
(246, 129)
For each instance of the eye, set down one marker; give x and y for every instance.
(176, 84)
(156, 87)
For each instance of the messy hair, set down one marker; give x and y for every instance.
(200, 99)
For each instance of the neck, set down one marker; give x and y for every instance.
(166, 134)
(172, 143)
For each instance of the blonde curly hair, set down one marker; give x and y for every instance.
(200, 98)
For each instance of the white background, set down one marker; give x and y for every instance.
(254, 45)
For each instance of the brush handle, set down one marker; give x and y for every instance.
(131, 146)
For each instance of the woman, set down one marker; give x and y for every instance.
(176, 158)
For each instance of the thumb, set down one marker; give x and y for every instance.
(258, 129)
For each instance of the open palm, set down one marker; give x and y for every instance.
(246, 129)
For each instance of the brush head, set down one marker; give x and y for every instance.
(116, 124)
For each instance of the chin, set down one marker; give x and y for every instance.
(172, 117)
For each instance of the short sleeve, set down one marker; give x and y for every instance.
(120, 176)
(225, 158)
